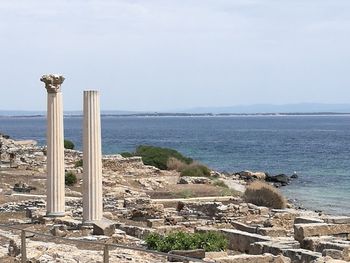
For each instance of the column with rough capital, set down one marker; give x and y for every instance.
(92, 160)
(55, 146)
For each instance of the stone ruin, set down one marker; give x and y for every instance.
(92, 155)
(254, 233)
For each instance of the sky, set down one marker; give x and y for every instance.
(164, 55)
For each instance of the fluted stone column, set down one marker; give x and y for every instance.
(92, 160)
(55, 146)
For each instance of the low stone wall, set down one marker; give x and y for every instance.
(302, 231)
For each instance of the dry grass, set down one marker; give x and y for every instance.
(263, 194)
(176, 164)
(193, 169)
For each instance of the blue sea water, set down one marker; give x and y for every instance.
(316, 147)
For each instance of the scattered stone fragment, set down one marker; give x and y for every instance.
(194, 180)
(13, 249)
(103, 227)
(59, 230)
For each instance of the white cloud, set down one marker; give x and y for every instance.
(136, 49)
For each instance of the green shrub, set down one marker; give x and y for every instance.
(158, 157)
(196, 170)
(210, 241)
(204, 169)
(68, 144)
(78, 163)
(263, 194)
(70, 179)
(126, 154)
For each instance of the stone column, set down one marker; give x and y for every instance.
(55, 146)
(92, 160)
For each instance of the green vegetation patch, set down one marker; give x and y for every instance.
(196, 170)
(126, 154)
(210, 241)
(78, 163)
(70, 178)
(69, 144)
(158, 157)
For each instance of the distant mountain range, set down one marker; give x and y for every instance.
(290, 109)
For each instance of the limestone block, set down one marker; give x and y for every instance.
(311, 243)
(272, 231)
(343, 246)
(59, 230)
(275, 247)
(153, 223)
(244, 258)
(103, 227)
(337, 219)
(239, 240)
(215, 255)
(307, 220)
(302, 231)
(243, 227)
(301, 255)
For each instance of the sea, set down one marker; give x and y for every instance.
(317, 148)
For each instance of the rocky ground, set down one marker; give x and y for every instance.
(140, 199)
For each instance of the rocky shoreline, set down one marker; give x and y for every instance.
(140, 199)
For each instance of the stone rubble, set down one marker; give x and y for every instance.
(255, 233)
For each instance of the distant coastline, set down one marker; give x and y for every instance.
(298, 109)
(156, 114)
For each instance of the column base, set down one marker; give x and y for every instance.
(55, 214)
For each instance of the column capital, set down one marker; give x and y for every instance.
(52, 82)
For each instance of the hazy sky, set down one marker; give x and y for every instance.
(163, 54)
